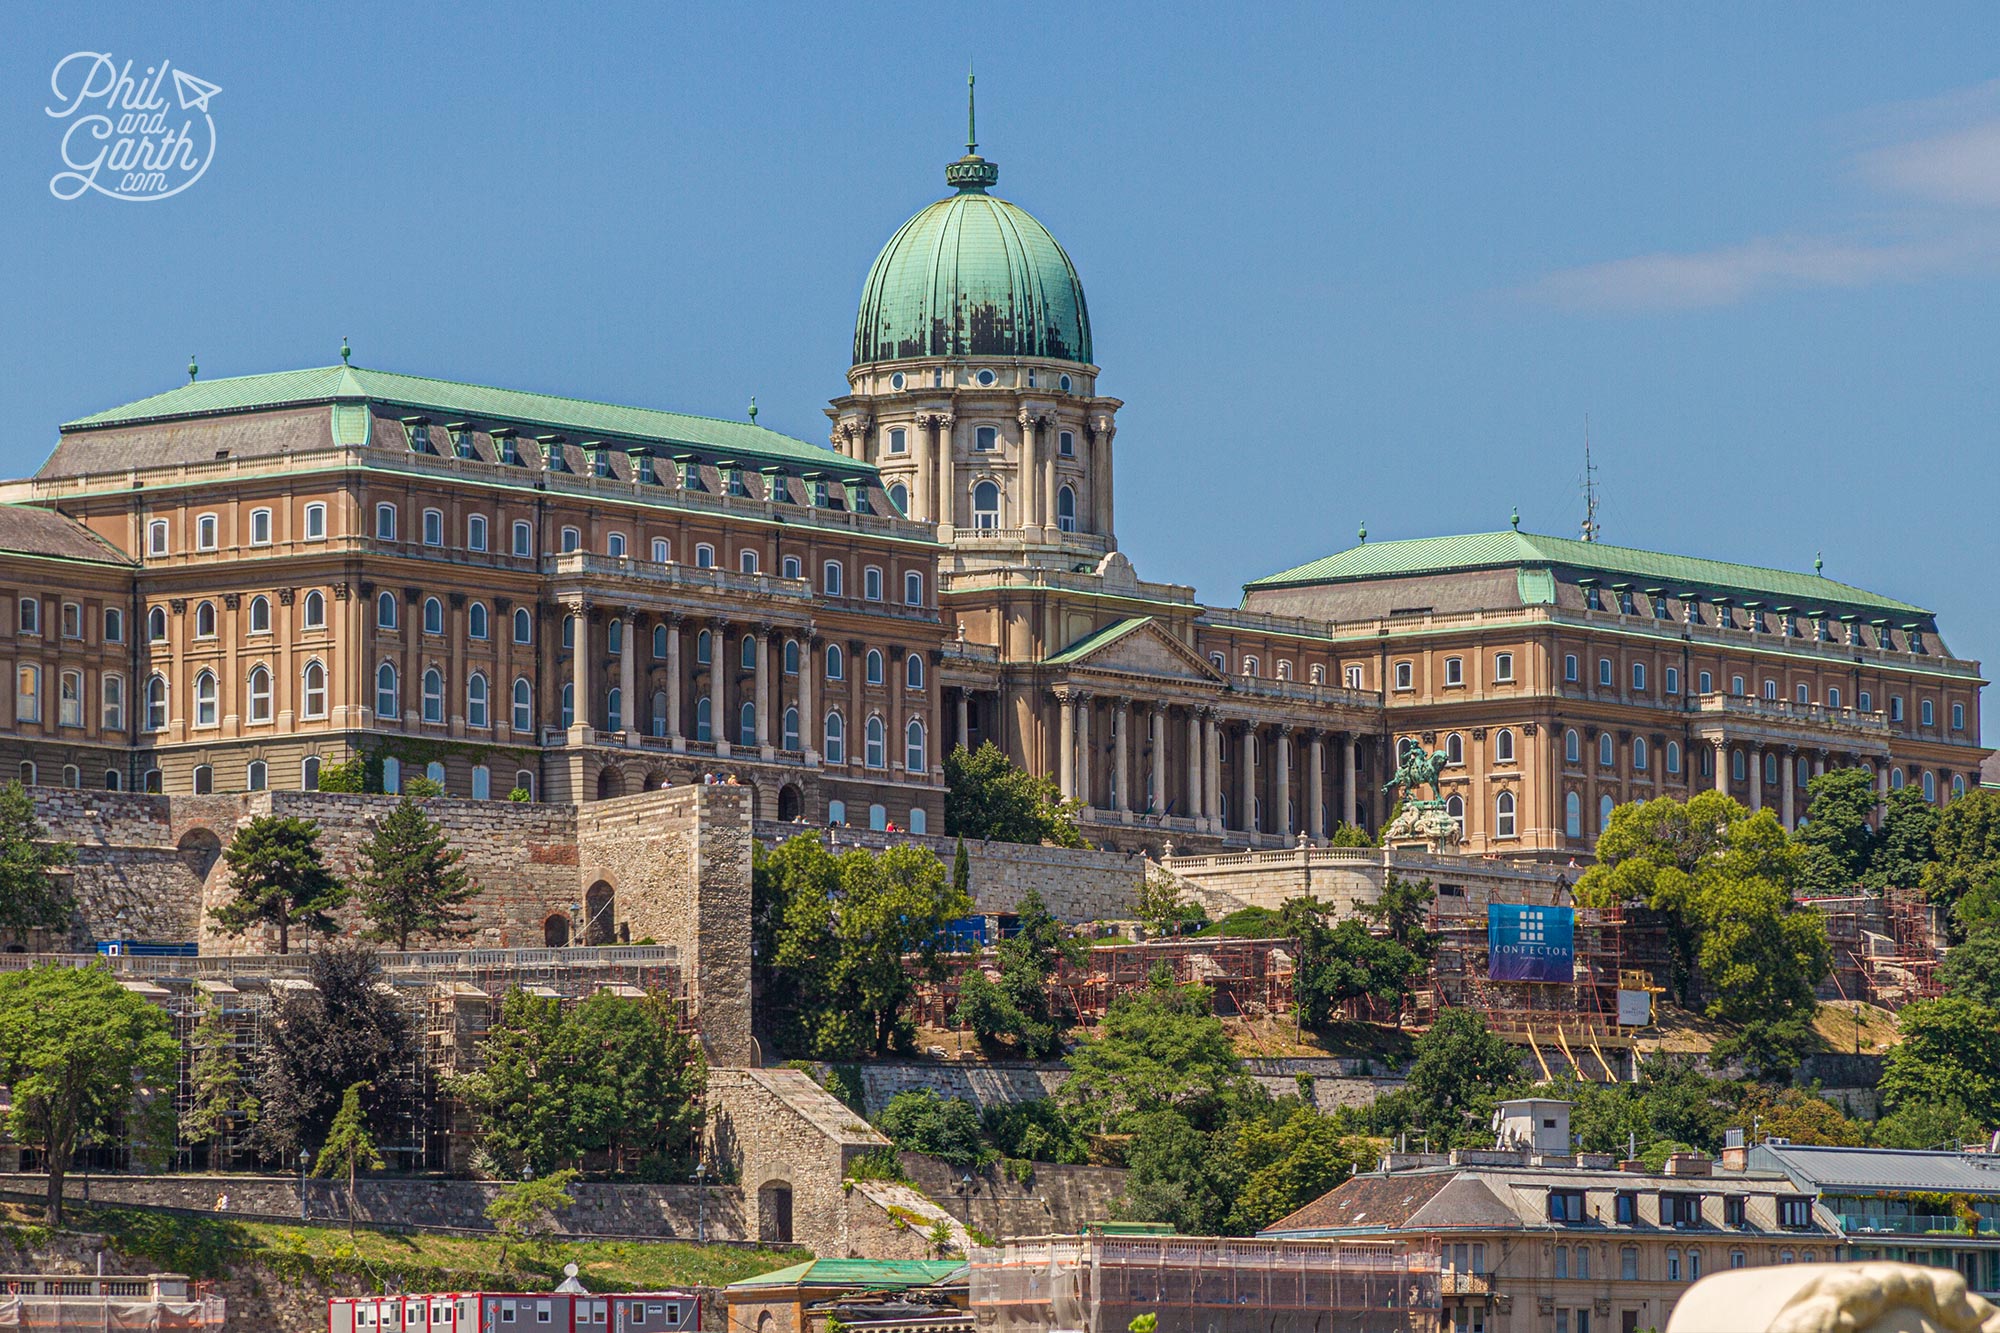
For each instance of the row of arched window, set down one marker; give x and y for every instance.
(257, 696)
(1505, 817)
(986, 504)
(1607, 752)
(312, 616)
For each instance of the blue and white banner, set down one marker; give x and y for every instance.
(1530, 943)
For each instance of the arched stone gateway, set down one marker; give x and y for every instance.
(600, 914)
(791, 803)
(774, 1212)
(610, 783)
(555, 931)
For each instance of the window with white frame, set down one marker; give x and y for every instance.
(1638, 675)
(204, 620)
(524, 705)
(524, 625)
(1066, 508)
(1569, 668)
(913, 588)
(871, 584)
(260, 614)
(746, 561)
(524, 539)
(830, 578)
(385, 522)
(834, 744)
(1503, 668)
(476, 701)
(1503, 746)
(156, 703)
(913, 672)
(204, 699)
(260, 527)
(475, 532)
(476, 622)
(433, 695)
(433, 616)
(986, 506)
(572, 540)
(899, 440)
(874, 666)
(260, 694)
(156, 625)
(1503, 815)
(388, 700)
(704, 556)
(876, 755)
(207, 532)
(663, 552)
(1604, 676)
(111, 702)
(156, 537)
(31, 615)
(985, 438)
(1355, 675)
(913, 745)
(69, 699)
(614, 545)
(1454, 671)
(72, 620)
(1606, 750)
(434, 527)
(1673, 680)
(312, 689)
(1405, 675)
(315, 522)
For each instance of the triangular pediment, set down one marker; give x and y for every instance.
(1136, 647)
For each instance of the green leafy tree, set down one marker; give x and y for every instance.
(844, 940)
(1332, 964)
(1966, 856)
(352, 776)
(276, 878)
(421, 787)
(1907, 843)
(219, 1097)
(1928, 1125)
(947, 1128)
(1401, 910)
(349, 1147)
(524, 1211)
(341, 1032)
(1798, 1116)
(1723, 878)
(1039, 1130)
(32, 896)
(1351, 835)
(961, 870)
(1971, 970)
(1459, 1069)
(1290, 1161)
(1949, 1052)
(79, 1054)
(412, 879)
(1158, 1049)
(1836, 838)
(1771, 1048)
(1020, 1009)
(986, 795)
(1179, 1173)
(1164, 910)
(612, 1076)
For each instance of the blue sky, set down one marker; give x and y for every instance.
(1345, 263)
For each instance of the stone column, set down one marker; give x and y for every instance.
(1034, 515)
(1100, 474)
(1281, 788)
(947, 471)
(1350, 760)
(1156, 772)
(1819, 763)
(1249, 778)
(1721, 765)
(1121, 751)
(1755, 768)
(1066, 758)
(579, 661)
(761, 692)
(965, 718)
(1195, 804)
(809, 664)
(1086, 743)
(923, 500)
(718, 689)
(628, 671)
(1315, 789)
(1882, 778)
(674, 736)
(1790, 761)
(1211, 785)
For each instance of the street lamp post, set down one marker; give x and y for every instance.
(701, 1201)
(305, 1160)
(964, 1189)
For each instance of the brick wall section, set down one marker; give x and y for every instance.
(781, 1130)
(665, 1211)
(1078, 885)
(678, 864)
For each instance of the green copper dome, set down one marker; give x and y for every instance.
(972, 275)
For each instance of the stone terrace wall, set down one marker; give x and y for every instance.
(1350, 876)
(983, 1085)
(787, 1135)
(133, 879)
(1078, 884)
(1058, 1200)
(677, 863)
(666, 1211)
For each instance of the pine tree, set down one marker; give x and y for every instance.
(411, 879)
(29, 895)
(278, 879)
(220, 1095)
(349, 1146)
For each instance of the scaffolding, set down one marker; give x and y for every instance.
(1098, 1283)
(1886, 947)
(1248, 978)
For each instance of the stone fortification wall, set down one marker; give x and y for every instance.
(1055, 1200)
(790, 1142)
(676, 867)
(1077, 884)
(1332, 1082)
(664, 1211)
(1351, 876)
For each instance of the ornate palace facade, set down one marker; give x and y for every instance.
(230, 585)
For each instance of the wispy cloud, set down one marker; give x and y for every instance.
(1936, 163)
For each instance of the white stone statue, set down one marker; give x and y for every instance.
(1834, 1298)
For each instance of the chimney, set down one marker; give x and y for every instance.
(1690, 1164)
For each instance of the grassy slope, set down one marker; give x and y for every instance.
(205, 1247)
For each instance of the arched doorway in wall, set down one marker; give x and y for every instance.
(200, 849)
(774, 1212)
(791, 803)
(610, 783)
(600, 913)
(555, 931)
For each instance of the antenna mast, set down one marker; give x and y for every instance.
(1589, 486)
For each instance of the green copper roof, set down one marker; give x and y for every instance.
(859, 1274)
(972, 275)
(355, 385)
(1503, 550)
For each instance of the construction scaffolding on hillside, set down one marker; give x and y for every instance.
(1098, 1283)
(1886, 947)
(1248, 978)
(1579, 1026)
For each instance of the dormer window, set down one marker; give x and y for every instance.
(642, 466)
(419, 436)
(691, 475)
(601, 463)
(736, 486)
(510, 451)
(819, 494)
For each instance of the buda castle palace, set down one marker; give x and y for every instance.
(234, 584)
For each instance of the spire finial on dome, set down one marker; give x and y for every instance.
(193, 369)
(972, 173)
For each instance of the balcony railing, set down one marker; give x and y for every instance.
(589, 564)
(1790, 712)
(1861, 1224)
